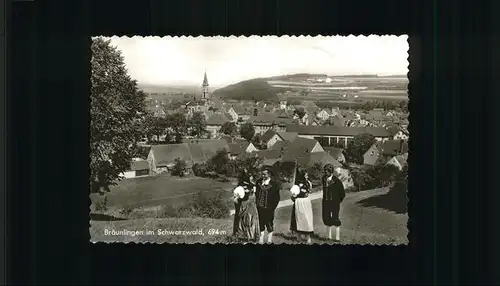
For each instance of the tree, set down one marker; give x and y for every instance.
(258, 143)
(176, 124)
(284, 170)
(229, 128)
(361, 178)
(358, 146)
(384, 174)
(116, 109)
(153, 126)
(300, 112)
(179, 168)
(250, 162)
(219, 163)
(316, 170)
(247, 131)
(197, 125)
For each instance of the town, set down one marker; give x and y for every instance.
(194, 145)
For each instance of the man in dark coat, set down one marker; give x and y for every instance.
(333, 195)
(267, 197)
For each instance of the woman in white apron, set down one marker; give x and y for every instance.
(302, 214)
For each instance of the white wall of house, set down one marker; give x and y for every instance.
(213, 130)
(129, 174)
(251, 148)
(401, 136)
(273, 140)
(317, 148)
(233, 114)
(323, 115)
(261, 129)
(393, 161)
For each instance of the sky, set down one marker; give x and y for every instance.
(228, 60)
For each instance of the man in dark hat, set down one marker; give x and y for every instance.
(333, 195)
(267, 196)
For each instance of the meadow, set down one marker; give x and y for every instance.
(363, 222)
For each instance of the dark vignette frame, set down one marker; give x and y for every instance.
(50, 106)
(3, 142)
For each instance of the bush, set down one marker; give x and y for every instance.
(377, 176)
(200, 170)
(168, 211)
(201, 205)
(179, 168)
(219, 163)
(316, 171)
(384, 175)
(126, 211)
(101, 205)
(284, 170)
(209, 206)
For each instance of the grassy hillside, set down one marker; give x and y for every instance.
(366, 87)
(254, 89)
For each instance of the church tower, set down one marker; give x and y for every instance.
(204, 88)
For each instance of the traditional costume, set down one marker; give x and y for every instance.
(267, 198)
(246, 223)
(333, 195)
(302, 214)
(244, 183)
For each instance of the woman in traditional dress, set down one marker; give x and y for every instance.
(302, 214)
(243, 181)
(246, 219)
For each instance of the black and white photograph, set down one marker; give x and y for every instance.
(261, 139)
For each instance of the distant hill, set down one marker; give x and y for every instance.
(268, 89)
(296, 76)
(254, 89)
(169, 88)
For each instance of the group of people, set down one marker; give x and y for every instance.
(256, 202)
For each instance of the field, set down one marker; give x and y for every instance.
(368, 217)
(144, 197)
(378, 88)
(153, 191)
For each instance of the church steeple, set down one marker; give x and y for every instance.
(204, 87)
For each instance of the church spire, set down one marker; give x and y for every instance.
(205, 80)
(204, 87)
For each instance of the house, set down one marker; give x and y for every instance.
(138, 168)
(382, 152)
(283, 104)
(236, 149)
(336, 153)
(269, 157)
(268, 120)
(196, 106)
(323, 114)
(322, 157)
(299, 147)
(270, 137)
(288, 136)
(372, 156)
(315, 122)
(392, 148)
(328, 135)
(214, 123)
(402, 134)
(162, 157)
(399, 161)
(337, 121)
